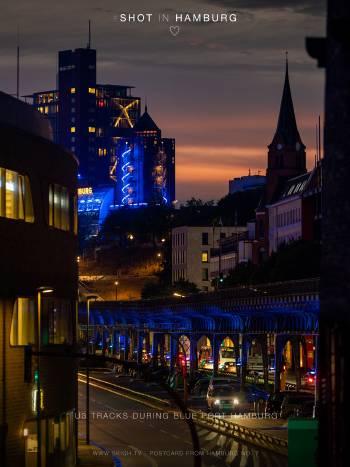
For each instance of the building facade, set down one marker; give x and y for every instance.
(248, 182)
(101, 125)
(88, 118)
(38, 291)
(145, 165)
(191, 250)
(296, 213)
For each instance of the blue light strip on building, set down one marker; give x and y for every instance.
(125, 171)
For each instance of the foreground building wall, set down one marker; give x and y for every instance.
(37, 248)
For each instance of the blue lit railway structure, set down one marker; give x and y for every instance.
(272, 315)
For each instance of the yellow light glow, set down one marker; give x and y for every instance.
(72, 129)
(204, 257)
(92, 129)
(72, 90)
(85, 191)
(92, 91)
(124, 112)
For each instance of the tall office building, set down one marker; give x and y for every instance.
(101, 125)
(88, 118)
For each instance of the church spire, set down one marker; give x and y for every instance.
(287, 131)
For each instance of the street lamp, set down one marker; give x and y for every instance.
(40, 291)
(116, 283)
(89, 298)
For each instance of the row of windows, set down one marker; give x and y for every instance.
(91, 129)
(287, 239)
(179, 239)
(289, 217)
(179, 257)
(90, 90)
(16, 201)
(56, 325)
(179, 274)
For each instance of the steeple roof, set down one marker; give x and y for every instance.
(287, 130)
(146, 123)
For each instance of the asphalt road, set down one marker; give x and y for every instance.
(273, 426)
(138, 436)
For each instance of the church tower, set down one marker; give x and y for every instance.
(286, 156)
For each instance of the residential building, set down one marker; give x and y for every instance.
(191, 252)
(296, 213)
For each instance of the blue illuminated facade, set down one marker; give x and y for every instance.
(145, 166)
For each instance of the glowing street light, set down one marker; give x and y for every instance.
(131, 237)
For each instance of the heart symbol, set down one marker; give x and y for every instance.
(174, 30)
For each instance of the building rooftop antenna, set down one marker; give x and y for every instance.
(89, 40)
(17, 68)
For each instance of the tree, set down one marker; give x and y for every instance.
(159, 290)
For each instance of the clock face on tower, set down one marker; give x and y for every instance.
(297, 146)
(279, 146)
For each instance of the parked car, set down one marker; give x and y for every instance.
(291, 404)
(297, 404)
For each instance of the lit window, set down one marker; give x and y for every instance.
(204, 256)
(72, 129)
(92, 91)
(15, 196)
(59, 207)
(102, 152)
(23, 330)
(72, 90)
(92, 129)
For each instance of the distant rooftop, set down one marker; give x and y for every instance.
(18, 114)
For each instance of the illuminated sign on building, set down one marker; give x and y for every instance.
(85, 191)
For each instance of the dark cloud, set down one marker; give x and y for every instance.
(216, 86)
(309, 7)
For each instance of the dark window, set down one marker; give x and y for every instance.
(205, 238)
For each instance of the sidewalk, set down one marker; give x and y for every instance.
(93, 456)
